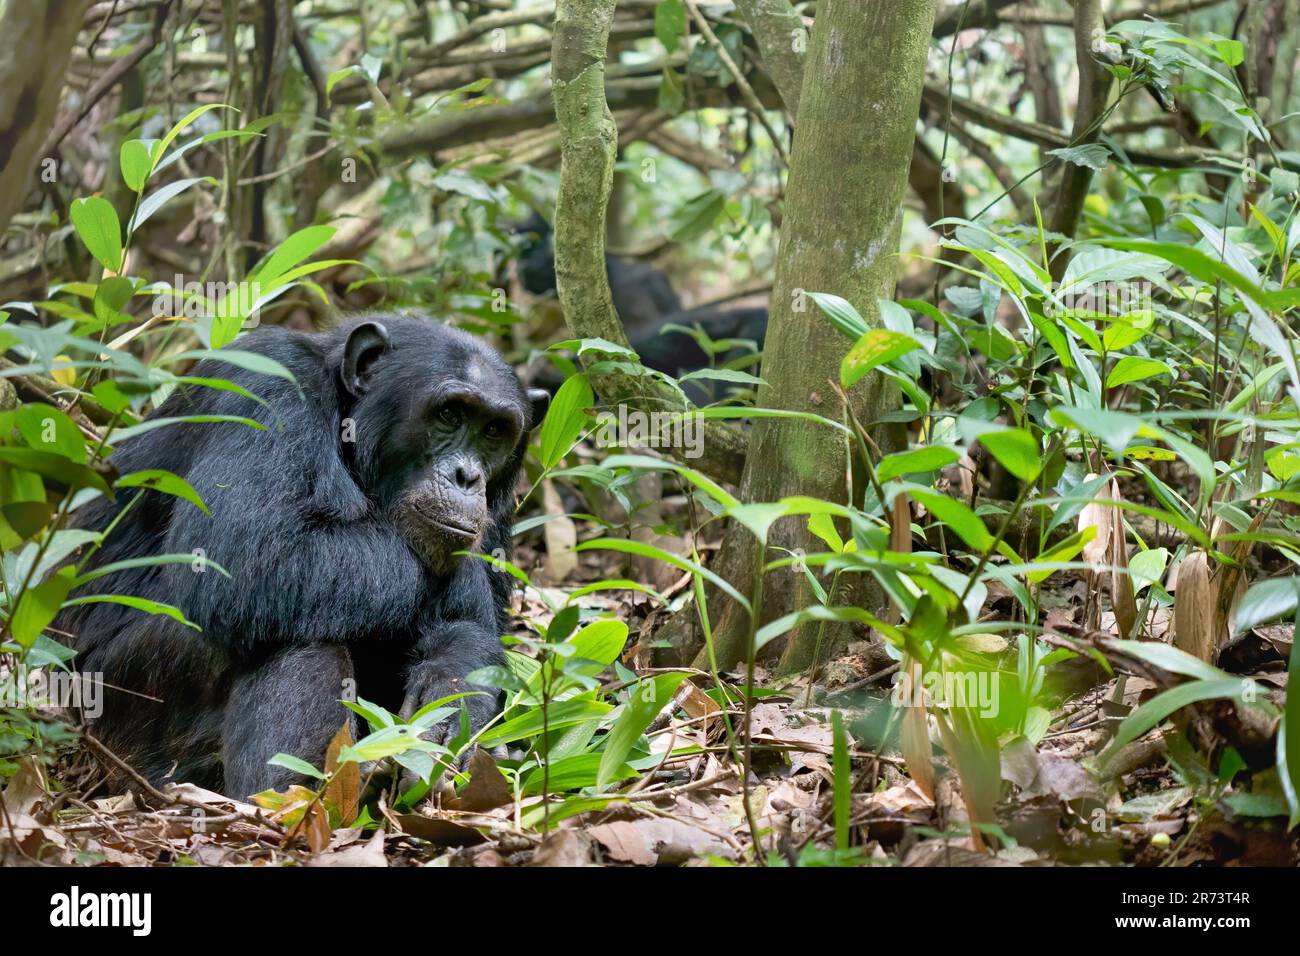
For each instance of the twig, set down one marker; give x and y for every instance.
(746, 91)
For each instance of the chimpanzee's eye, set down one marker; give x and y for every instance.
(495, 429)
(449, 413)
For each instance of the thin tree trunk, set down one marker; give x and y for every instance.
(36, 37)
(848, 174)
(1094, 89)
(588, 145)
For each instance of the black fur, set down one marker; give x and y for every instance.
(326, 583)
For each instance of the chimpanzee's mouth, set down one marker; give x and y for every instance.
(454, 530)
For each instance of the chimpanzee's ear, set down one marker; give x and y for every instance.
(366, 342)
(540, 400)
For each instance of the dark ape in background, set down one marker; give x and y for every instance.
(399, 444)
(642, 294)
(646, 302)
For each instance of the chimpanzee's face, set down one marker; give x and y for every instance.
(441, 423)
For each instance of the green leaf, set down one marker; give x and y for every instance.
(1116, 429)
(294, 250)
(160, 147)
(136, 164)
(564, 713)
(160, 197)
(45, 428)
(55, 466)
(1131, 368)
(929, 458)
(956, 515)
(387, 742)
(1288, 742)
(332, 80)
(1016, 450)
(38, 605)
(645, 699)
(1266, 601)
(165, 482)
(1090, 156)
(823, 526)
(643, 549)
(565, 420)
(290, 762)
(150, 424)
(248, 361)
(841, 779)
(97, 225)
(138, 603)
(875, 348)
(1231, 52)
(670, 23)
(696, 216)
(841, 313)
(1154, 711)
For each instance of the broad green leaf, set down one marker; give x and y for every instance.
(696, 216)
(645, 699)
(297, 765)
(1016, 450)
(560, 714)
(39, 604)
(565, 420)
(1266, 601)
(165, 482)
(97, 225)
(929, 458)
(1132, 368)
(46, 428)
(670, 23)
(1154, 711)
(841, 313)
(136, 164)
(875, 348)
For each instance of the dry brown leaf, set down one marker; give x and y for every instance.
(486, 789)
(1109, 547)
(561, 536)
(1200, 626)
(624, 843)
(344, 791)
(565, 848)
(370, 853)
(915, 732)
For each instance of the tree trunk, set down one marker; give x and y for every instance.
(35, 40)
(1094, 89)
(848, 174)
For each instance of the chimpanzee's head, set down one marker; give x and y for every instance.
(441, 423)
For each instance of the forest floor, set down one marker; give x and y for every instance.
(1149, 808)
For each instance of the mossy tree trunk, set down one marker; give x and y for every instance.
(848, 174)
(588, 146)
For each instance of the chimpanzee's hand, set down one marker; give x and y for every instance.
(427, 681)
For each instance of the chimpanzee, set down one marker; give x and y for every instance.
(642, 294)
(398, 446)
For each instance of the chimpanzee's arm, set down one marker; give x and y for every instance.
(462, 634)
(310, 559)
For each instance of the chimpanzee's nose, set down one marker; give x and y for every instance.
(469, 477)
